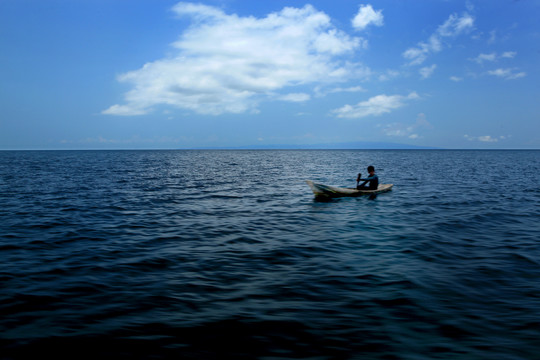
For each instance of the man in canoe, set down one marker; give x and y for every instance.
(373, 180)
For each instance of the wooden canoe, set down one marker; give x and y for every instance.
(334, 191)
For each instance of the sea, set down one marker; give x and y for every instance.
(226, 254)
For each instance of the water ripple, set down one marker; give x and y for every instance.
(214, 254)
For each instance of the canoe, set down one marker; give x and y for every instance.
(334, 191)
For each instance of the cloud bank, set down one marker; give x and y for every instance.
(226, 63)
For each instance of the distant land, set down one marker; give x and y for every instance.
(363, 145)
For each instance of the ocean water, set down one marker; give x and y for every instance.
(226, 254)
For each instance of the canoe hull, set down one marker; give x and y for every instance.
(320, 190)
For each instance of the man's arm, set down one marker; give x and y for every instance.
(367, 179)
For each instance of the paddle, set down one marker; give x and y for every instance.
(358, 179)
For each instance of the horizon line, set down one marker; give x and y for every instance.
(265, 148)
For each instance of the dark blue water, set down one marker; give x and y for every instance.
(226, 254)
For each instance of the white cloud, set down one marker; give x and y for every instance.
(456, 78)
(389, 74)
(455, 25)
(349, 89)
(125, 110)
(504, 73)
(427, 71)
(484, 138)
(417, 55)
(374, 106)
(407, 130)
(500, 72)
(397, 129)
(366, 16)
(487, 138)
(228, 63)
(485, 57)
(493, 57)
(492, 36)
(320, 92)
(295, 97)
(199, 12)
(508, 74)
(509, 54)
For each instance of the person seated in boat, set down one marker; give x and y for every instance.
(373, 180)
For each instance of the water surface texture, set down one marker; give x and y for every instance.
(214, 254)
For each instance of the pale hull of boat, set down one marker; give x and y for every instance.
(334, 191)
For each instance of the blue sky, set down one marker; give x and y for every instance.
(124, 74)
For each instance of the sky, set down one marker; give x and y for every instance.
(161, 74)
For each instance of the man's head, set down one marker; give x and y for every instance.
(370, 169)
